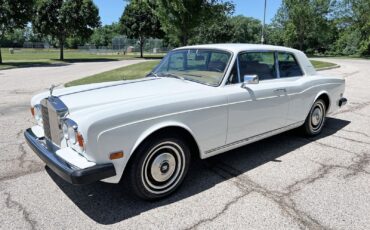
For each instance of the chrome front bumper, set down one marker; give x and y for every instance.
(68, 172)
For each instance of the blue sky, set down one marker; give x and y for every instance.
(111, 10)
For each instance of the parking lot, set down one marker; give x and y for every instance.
(285, 182)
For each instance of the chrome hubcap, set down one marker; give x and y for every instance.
(316, 116)
(163, 167)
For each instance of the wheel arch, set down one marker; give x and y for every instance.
(169, 127)
(324, 95)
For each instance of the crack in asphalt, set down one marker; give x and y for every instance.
(10, 204)
(284, 199)
(361, 114)
(353, 108)
(247, 186)
(358, 166)
(351, 131)
(351, 140)
(19, 174)
(32, 167)
(224, 209)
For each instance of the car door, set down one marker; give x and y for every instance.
(258, 108)
(297, 87)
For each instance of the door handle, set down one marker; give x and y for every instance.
(280, 90)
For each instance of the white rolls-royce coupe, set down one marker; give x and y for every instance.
(198, 102)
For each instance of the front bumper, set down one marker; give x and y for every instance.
(65, 170)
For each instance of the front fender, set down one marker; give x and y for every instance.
(159, 126)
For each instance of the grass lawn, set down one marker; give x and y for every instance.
(124, 73)
(141, 70)
(37, 57)
(321, 64)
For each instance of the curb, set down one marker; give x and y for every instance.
(327, 68)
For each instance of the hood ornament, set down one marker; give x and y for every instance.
(51, 89)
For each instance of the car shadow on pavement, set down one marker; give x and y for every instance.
(111, 203)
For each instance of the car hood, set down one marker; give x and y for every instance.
(81, 97)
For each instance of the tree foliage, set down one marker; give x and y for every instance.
(64, 19)
(139, 21)
(181, 20)
(245, 29)
(302, 24)
(103, 36)
(352, 20)
(13, 14)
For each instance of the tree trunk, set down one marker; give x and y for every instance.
(142, 41)
(61, 44)
(1, 58)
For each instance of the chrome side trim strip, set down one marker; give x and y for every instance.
(258, 137)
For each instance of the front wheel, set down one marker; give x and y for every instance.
(315, 119)
(158, 168)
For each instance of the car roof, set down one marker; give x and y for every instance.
(237, 47)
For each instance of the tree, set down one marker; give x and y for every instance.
(214, 22)
(180, 19)
(62, 19)
(139, 21)
(304, 23)
(103, 36)
(13, 14)
(352, 19)
(245, 29)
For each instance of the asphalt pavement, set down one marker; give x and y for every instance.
(284, 182)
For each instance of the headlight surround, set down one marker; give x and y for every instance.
(69, 128)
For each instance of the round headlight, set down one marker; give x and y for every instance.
(65, 131)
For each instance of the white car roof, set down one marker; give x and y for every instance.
(237, 47)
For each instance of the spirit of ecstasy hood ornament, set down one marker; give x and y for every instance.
(51, 89)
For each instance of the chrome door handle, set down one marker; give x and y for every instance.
(280, 90)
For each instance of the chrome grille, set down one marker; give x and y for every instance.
(45, 121)
(53, 110)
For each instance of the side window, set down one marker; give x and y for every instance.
(261, 64)
(288, 66)
(176, 61)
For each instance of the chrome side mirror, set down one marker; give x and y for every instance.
(250, 79)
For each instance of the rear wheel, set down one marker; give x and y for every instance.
(159, 166)
(315, 119)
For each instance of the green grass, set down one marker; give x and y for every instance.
(321, 64)
(37, 57)
(142, 69)
(123, 73)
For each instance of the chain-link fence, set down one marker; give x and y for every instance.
(122, 44)
(36, 45)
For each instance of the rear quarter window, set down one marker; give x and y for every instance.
(288, 65)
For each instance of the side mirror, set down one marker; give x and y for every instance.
(250, 79)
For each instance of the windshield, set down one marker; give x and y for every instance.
(198, 65)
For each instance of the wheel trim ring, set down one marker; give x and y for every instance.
(174, 178)
(318, 126)
(148, 166)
